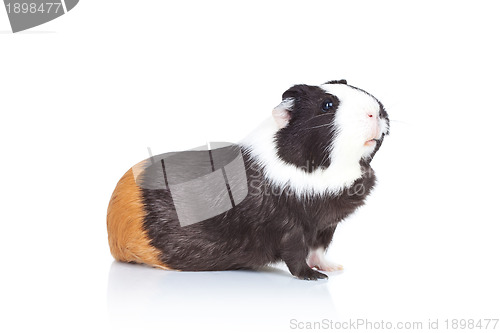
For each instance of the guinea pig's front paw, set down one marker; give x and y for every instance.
(311, 274)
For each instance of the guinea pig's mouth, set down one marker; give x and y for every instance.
(371, 142)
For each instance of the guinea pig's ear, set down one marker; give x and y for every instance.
(282, 113)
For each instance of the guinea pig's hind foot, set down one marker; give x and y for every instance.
(316, 258)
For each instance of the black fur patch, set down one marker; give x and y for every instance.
(305, 141)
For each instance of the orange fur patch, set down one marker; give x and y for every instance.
(127, 238)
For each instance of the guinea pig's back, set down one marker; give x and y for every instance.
(128, 240)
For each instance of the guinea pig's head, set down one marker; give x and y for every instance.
(331, 123)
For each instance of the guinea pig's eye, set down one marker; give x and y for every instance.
(327, 105)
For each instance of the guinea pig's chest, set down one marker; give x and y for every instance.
(328, 209)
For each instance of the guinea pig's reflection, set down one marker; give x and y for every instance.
(270, 295)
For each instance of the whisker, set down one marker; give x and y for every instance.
(323, 160)
(319, 115)
(399, 121)
(324, 125)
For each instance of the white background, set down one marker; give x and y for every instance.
(83, 96)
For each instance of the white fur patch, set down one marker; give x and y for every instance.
(354, 129)
(316, 258)
(354, 124)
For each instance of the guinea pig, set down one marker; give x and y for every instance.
(289, 183)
